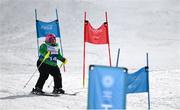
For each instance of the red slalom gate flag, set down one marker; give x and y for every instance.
(96, 36)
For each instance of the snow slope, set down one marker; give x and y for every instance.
(135, 26)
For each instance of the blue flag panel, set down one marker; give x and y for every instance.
(106, 89)
(138, 81)
(44, 28)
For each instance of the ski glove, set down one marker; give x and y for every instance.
(65, 61)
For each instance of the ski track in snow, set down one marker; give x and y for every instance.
(135, 26)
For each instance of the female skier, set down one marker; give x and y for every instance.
(47, 63)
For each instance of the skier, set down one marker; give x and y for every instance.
(48, 66)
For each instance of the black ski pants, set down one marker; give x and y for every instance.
(44, 71)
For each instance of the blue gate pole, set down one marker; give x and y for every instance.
(37, 31)
(147, 59)
(117, 62)
(60, 37)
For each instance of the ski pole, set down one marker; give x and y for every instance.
(45, 57)
(52, 80)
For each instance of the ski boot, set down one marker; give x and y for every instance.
(37, 91)
(58, 91)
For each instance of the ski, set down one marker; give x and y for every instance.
(53, 94)
(46, 94)
(71, 94)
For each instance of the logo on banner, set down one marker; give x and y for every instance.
(47, 27)
(107, 82)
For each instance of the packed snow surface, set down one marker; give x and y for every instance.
(135, 26)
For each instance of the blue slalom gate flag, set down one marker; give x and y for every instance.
(44, 28)
(107, 87)
(138, 82)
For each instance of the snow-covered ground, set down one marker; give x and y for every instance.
(135, 26)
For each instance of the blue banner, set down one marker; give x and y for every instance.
(107, 88)
(44, 28)
(138, 82)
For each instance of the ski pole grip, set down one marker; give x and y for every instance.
(47, 55)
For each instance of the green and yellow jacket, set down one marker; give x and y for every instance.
(54, 54)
